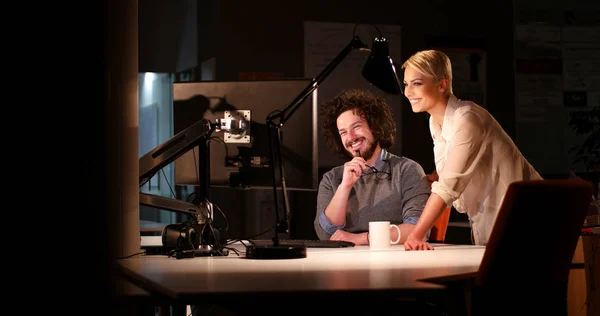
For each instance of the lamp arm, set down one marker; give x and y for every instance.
(286, 113)
(283, 116)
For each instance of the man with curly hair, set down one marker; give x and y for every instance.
(374, 185)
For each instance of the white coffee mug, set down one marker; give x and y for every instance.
(380, 236)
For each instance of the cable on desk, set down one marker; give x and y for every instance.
(133, 255)
(249, 237)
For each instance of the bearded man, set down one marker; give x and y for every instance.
(375, 184)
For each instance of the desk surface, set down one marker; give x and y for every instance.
(355, 269)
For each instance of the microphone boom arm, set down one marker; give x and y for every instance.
(173, 148)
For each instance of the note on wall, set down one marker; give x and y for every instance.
(468, 73)
(557, 73)
(323, 41)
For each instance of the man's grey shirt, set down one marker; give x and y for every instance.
(398, 199)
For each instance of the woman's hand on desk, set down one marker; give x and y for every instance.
(357, 239)
(413, 243)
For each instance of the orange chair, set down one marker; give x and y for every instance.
(438, 231)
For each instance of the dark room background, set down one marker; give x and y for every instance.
(534, 52)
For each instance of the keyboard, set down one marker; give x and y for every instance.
(305, 242)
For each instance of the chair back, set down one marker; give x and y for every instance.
(438, 231)
(533, 241)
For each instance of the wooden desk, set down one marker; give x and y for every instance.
(583, 296)
(325, 274)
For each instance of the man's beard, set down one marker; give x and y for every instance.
(366, 154)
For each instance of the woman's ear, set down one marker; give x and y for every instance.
(443, 85)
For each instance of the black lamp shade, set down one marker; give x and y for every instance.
(379, 68)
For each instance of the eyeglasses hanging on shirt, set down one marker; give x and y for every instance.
(381, 175)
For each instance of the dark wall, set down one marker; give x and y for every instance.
(267, 36)
(168, 35)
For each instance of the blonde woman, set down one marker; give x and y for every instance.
(475, 160)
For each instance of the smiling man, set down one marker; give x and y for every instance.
(375, 184)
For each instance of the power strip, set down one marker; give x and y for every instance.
(151, 241)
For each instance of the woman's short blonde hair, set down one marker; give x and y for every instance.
(432, 63)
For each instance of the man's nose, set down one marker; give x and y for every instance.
(351, 135)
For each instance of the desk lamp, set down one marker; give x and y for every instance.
(380, 71)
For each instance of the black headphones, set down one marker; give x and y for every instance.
(189, 236)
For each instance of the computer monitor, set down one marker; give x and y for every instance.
(239, 163)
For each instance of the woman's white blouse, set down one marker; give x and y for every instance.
(476, 161)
